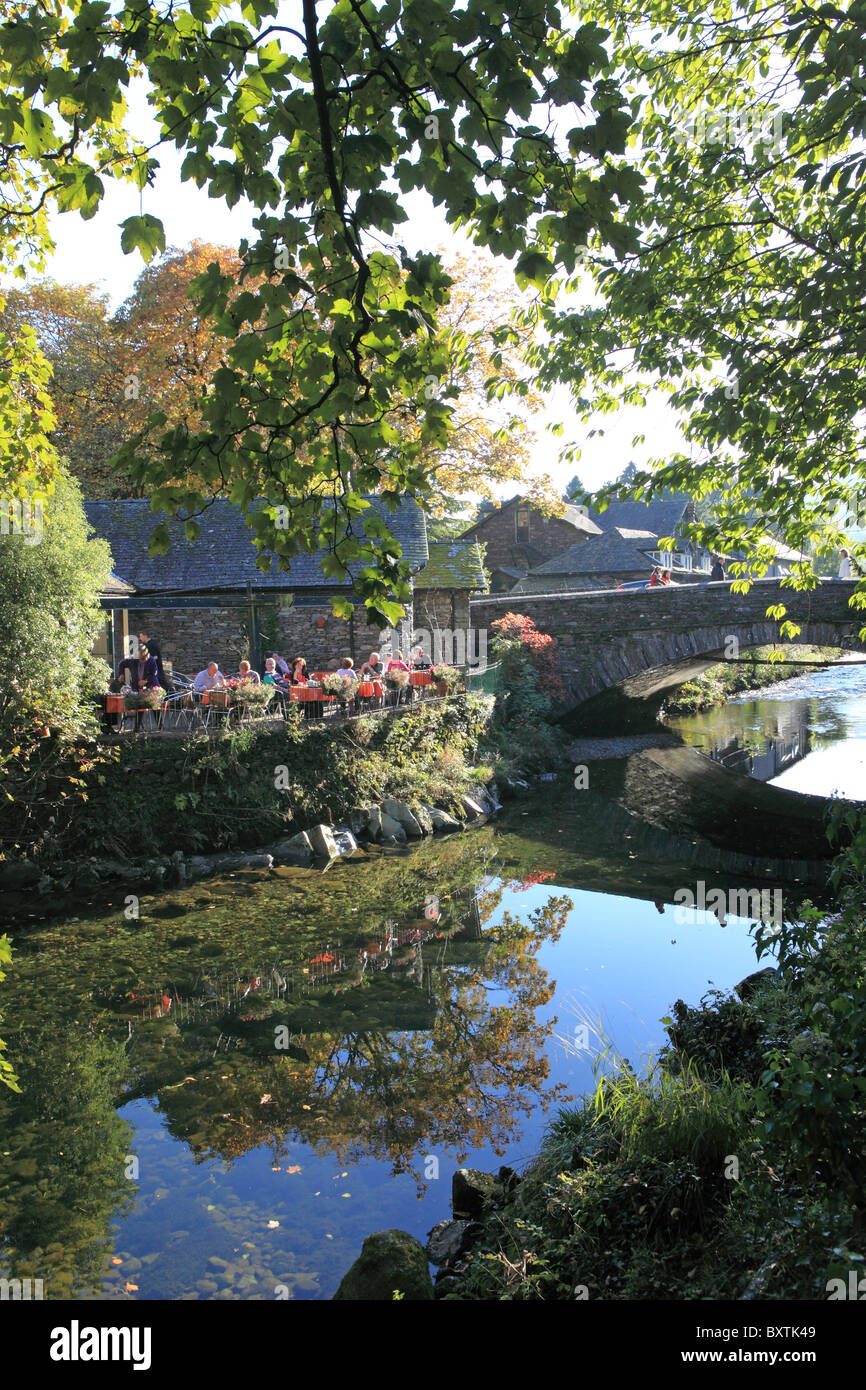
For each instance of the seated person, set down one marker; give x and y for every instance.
(372, 667)
(246, 673)
(420, 662)
(270, 677)
(396, 663)
(347, 668)
(298, 673)
(211, 678)
(281, 665)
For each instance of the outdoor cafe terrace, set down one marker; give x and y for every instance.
(325, 696)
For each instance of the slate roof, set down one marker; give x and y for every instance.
(224, 557)
(452, 565)
(661, 516)
(587, 525)
(617, 549)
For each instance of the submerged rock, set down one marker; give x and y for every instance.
(747, 987)
(389, 1261)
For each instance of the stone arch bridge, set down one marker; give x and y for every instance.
(623, 650)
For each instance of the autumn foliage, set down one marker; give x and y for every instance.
(526, 653)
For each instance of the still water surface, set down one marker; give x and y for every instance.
(808, 733)
(223, 1099)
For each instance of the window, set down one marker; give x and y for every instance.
(522, 518)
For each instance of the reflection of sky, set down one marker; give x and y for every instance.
(622, 962)
(831, 704)
(617, 958)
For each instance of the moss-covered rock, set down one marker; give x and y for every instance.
(390, 1262)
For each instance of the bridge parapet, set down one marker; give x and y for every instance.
(633, 646)
(671, 607)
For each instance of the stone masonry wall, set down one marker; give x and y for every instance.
(647, 641)
(548, 535)
(191, 637)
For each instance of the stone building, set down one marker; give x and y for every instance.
(625, 550)
(442, 590)
(207, 599)
(518, 536)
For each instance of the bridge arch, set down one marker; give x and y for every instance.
(623, 651)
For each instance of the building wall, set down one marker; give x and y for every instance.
(190, 637)
(548, 536)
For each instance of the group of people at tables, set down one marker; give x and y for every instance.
(286, 677)
(146, 672)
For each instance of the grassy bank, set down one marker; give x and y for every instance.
(151, 796)
(733, 1168)
(729, 678)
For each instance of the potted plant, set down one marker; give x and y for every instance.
(250, 693)
(145, 699)
(343, 687)
(445, 676)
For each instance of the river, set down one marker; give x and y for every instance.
(222, 1098)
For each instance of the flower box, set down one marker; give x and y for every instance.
(115, 704)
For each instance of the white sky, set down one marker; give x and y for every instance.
(89, 252)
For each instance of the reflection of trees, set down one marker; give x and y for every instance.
(461, 1080)
(62, 1168)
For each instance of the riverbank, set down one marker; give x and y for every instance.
(731, 1169)
(752, 672)
(156, 813)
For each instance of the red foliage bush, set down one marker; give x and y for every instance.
(539, 647)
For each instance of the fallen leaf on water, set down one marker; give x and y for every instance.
(327, 1237)
(305, 1107)
(293, 1168)
(116, 1261)
(272, 1225)
(263, 1100)
(131, 1288)
(345, 1194)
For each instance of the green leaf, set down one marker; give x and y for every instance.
(145, 234)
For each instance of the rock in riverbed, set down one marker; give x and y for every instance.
(389, 1261)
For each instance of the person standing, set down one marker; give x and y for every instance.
(155, 651)
(845, 566)
(718, 570)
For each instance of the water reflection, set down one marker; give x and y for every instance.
(222, 1099)
(807, 734)
(368, 1050)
